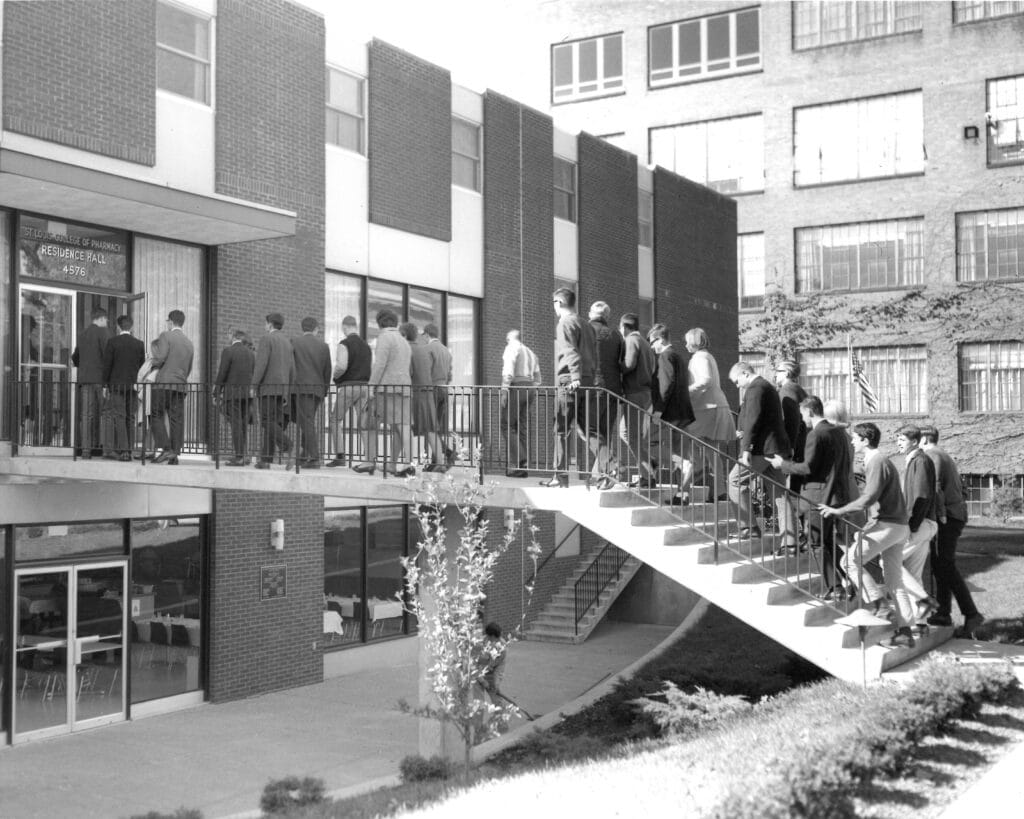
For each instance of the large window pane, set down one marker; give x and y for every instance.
(386, 540)
(343, 297)
(726, 154)
(345, 109)
(991, 376)
(587, 68)
(817, 23)
(343, 577)
(183, 53)
(379, 296)
(166, 616)
(897, 375)
(424, 308)
(57, 541)
(750, 257)
(462, 328)
(4, 618)
(6, 365)
(1006, 128)
(968, 11)
(565, 189)
(716, 45)
(990, 245)
(863, 256)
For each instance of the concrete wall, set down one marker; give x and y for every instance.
(651, 597)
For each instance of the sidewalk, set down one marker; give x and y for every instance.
(217, 758)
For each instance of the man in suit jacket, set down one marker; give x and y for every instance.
(638, 367)
(441, 375)
(173, 356)
(88, 358)
(825, 471)
(791, 394)
(671, 396)
(312, 359)
(919, 491)
(233, 382)
(271, 382)
(762, 434)
(122, 358)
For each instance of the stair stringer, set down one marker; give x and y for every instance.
(829, 645)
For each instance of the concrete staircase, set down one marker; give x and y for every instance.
(769, 593)
(557, 622)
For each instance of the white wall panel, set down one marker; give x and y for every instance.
(346, 222)
(185, 143)
(408, 258)
(645, 269)
(467, 247)
(566, 251)
(565, 145)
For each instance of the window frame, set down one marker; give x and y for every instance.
(208, 63)
(986, 5)
(644, 226)
(751, 303)
(990, 137)
(979, 391)
(867, 356)
(477, 160)
(609, 86)
(572, 195)
(341, 112)
(988, 264)
(901, 260)
(715, 184)
(704, 74)
(858, 177)
(854, 10)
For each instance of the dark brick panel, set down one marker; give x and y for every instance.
(410, 143)
(64, 75)
(607, 226)
(270, 149)
(265, 645)
(695, 276)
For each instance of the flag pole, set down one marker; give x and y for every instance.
(849, 361)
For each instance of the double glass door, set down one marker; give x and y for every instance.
(69, 648)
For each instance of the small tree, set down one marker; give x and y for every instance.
(445, 591)
(1006, 499)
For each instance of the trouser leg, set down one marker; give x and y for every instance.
(948, 580)
(915, 553)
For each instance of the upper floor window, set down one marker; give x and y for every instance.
(713, 46)
(898, 376)
(645, 218)
(724, 154)
(971, 10)
(827, 23)
(465, 154)
(1006, 121)
(183, 53)
(862, 256)
(865, 138)
(750, 264)
(586, 68)
(990, 245)
(990, 376)
(346, 110)
(565, 189)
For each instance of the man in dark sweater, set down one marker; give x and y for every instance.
(122, 358)
(611, 350)
(919, 484)
(312, 379)
(234, 379)
(352, 366)
(670, 394)
(762, 434)
(88, 359)
(638, 366)
(884, 535)
(791, 394)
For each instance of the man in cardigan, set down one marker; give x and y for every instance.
(352, 363)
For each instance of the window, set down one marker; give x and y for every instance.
(750, 261)
(565, 189)
(826, 23)
(990, 376)
(1006, 123)
(859, 139)
(897, 375)
(759, 361)
(586, 68)
(979, 492)
(990, 245)
(465, 154)
(969, 12)
(645, 312)
(645, 218)
(346, 110)
(862, 256)
(714, 46)
(724, 154)
(182, 53)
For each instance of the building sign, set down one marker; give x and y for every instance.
(273, 582)
(74, 255)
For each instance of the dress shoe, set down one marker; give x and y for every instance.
(339, 461)
(560, 480)
(919, 629)
(163, 456)
(262, 464)
(365, 468)
(517, 473)
(86, 456)
(449, 457)
(646, 482)
(940, 620)
(172, 461)
(926, 608)
(786, 550)
(882, 608)
(124, 456)
(830, 595)
(903, 638)
(235, 462)
(971, 625)
(605, 482)
(405, 472)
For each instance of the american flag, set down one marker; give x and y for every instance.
(866, 393)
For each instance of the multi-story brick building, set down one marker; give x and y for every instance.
(873, 150)
(159, 156)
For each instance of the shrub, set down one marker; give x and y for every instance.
(415, 768)
(683, 712)
(282, 795)
(548, 748)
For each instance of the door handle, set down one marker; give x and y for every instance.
(81, 641)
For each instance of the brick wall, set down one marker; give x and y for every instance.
(607, 227)
(82, 75)
(410, 143)
(695, 266)
(265, 645)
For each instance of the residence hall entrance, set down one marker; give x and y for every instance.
(69, 648)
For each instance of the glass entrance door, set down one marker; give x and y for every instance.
(69, 638)
(47, 339)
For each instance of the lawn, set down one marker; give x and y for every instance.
(992, 563)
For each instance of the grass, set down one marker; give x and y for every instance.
(992, 563)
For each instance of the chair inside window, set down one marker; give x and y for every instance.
(180, 644)
(159, 637)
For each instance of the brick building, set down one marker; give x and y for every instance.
(873, 150)
(174, 156)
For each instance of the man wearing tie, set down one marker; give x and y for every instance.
(234, 379)
(88, 358)
(122, 358)
(173, 355)
(312, 380)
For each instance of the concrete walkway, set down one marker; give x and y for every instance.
(217, 758)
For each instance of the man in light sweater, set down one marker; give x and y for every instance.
(884, 535)
(520, 375)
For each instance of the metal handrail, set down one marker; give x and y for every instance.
(536, 572)
(588, 586)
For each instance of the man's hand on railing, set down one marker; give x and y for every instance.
(572, 386)
(828, 511)
(775, 460)
(744, 458)
(504, 397)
